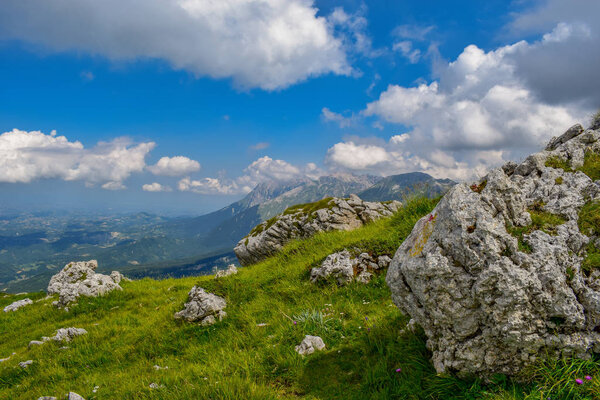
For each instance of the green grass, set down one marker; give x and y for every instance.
(308, 208)
(590, 167)
(558, 163)
(589, 225)
(540, 220)
(129, 331)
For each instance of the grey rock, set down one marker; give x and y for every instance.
(47, 398)
(202, 306)
(344, 268)
(62, 335)
(25, 364)
(231, 270)
(485, 306)
(364, 277)
(572, 132)
(383, 261)
(155, 385)
(17, 304)
(309, 345)
(338, 265)
(74, 396)
(80, 279)
(269, 237)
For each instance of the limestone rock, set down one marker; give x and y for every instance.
(339, 265)
(231, 270)
(301, 222)
(47, 398)
(62, 335)
(80, 279)
(74, 396)
(17, 304)
(486, 305)
(25, 364)
(202, 306)
(344, 268)
(309, 345)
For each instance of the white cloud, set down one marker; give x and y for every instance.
(155, 187)
(479, 113)
(174, 166)
(413, 32)
(405, 47)
(342, 121)
(264, 169)
(269, 44)
(27, 156)
(260, 146)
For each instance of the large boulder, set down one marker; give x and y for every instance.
(305, 220)
(494, 274)
(80, 279)
(203, 307)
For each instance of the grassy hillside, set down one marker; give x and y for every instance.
(132, 330)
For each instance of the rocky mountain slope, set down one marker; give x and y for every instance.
(505, 271)
(305, 220)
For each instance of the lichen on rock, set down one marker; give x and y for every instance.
(494, 274)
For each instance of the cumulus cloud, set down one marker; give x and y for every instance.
(27, 156)
(174, 166)
(264, 169)
(269, 44)
(155, 187)
(480, 112)
(563, 66)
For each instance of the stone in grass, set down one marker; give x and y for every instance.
(80, 279)
(203, 307)
(231, 270)
(47, 398)
(17, 304)
(154, 385)
(309, 345)
(25, 364)
(62, 335)
(337, 265)
(74, 396)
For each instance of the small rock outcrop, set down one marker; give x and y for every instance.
(62, 335)
(344, 268)
(494, 274)
(309, 345)
(202, 306)
(74, 396)
(25, 364)
(305, 220)
(80, 279)
(17, 304)
(231, 270)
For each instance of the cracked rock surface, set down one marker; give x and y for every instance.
(202, 306)
(80, 279)
(269, 237)
(487, 304)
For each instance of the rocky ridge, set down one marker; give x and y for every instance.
(305, 220)
(495, 274)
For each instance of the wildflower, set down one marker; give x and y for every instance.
(295, 322)
(399, 370)
(588, 378)
(431, 218)
(366, 318)
(579, 381)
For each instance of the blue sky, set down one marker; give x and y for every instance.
(258, 90)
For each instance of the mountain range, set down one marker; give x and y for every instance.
(33, 247)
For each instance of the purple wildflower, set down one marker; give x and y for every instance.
(579, 381)
(294, 322)
(399, 370)
(588, 378)
(366, 318)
